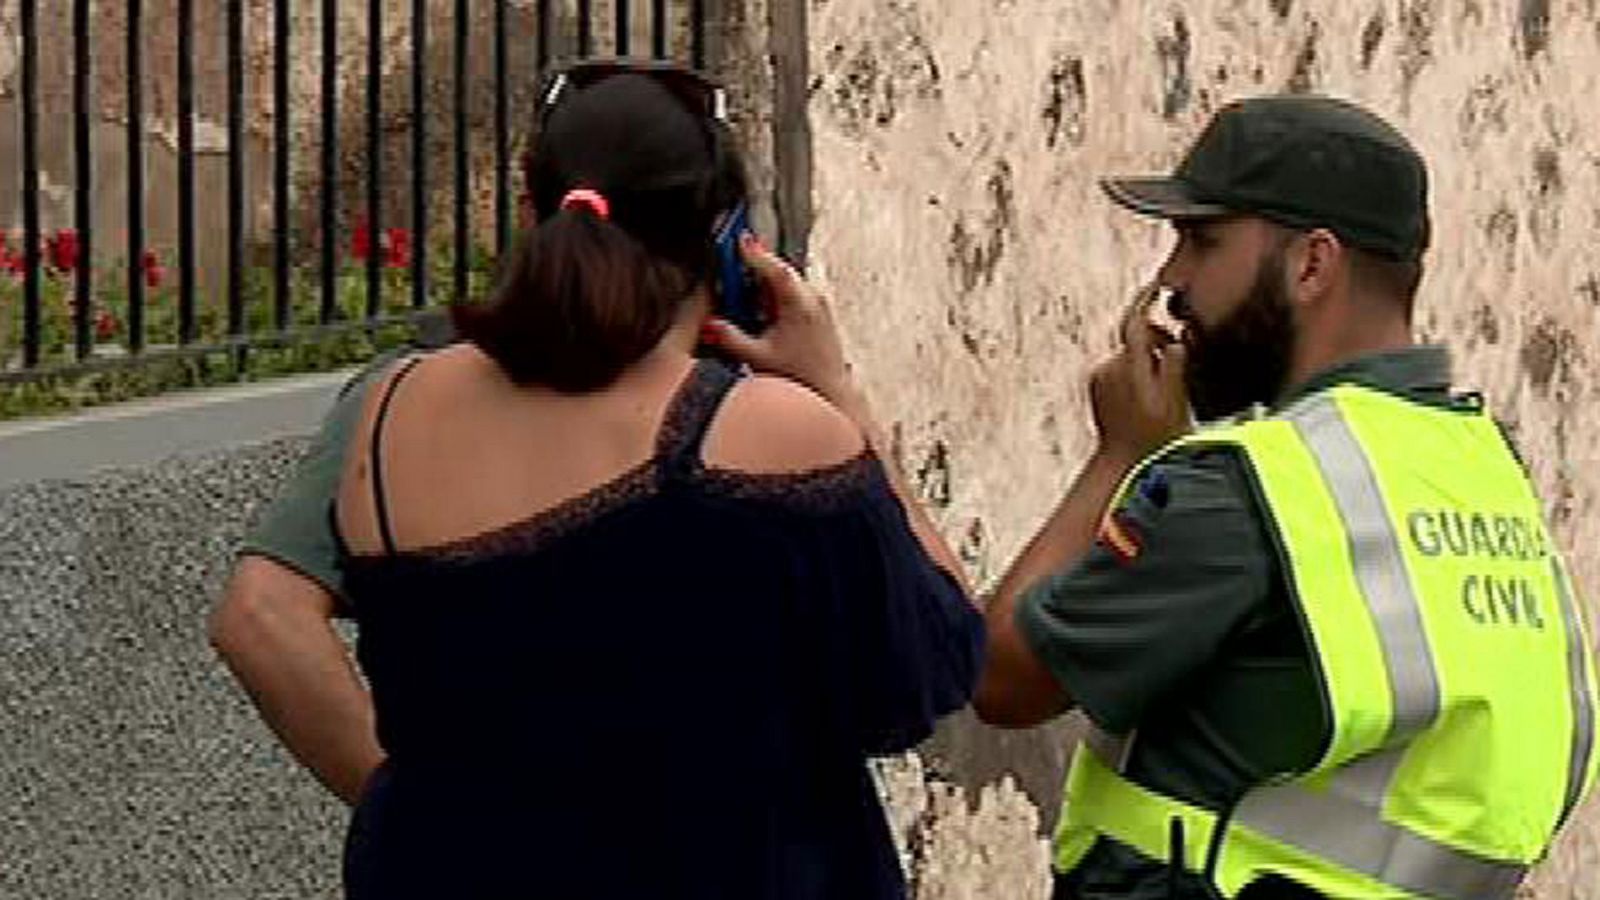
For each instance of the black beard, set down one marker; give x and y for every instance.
(1244, 359)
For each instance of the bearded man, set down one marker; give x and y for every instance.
(1325, 644)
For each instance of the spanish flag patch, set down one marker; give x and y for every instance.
(1121, 537)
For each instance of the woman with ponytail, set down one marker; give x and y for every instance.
(634, 619)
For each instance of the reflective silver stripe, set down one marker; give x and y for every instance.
(1368, 778)
(1348, 831)
(1578, 678)
(1379, 564)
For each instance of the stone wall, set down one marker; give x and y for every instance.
(978, 270)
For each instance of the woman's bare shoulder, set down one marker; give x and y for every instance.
(770, 424)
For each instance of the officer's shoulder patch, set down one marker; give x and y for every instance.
(1119, 535)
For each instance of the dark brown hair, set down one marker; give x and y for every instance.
(582, 297)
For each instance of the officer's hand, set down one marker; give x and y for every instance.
(801, 343)
(1139, 397)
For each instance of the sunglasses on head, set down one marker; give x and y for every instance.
(699, 94)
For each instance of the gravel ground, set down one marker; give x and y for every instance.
(131, 764)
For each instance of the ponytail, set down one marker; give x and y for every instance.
(580, 300)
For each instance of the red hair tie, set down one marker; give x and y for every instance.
(589, 199)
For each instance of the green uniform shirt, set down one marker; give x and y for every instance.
(297, 528)
(1182, 632)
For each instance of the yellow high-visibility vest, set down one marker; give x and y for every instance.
(1451, 653)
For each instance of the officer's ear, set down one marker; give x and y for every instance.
(1315, 264)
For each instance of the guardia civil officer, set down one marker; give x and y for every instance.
(1325, 642)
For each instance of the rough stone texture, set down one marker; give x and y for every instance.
(978, 271)
(131, 764)
(947, 842)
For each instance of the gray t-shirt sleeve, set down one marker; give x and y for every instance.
(297, 528)
(1181, 566)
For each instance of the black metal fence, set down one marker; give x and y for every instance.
(92, 332)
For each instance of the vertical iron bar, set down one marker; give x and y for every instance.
(330, 154)
(32, 320)
(543, 12)
(136, 266)
(658, 29)
(186, 267)
(502, 148)
(585, 27)
(791, 129)
(374, 154)
(280, 164)
(624, 26)
(419, 153)
(236, 152)
(83, 213)
(463, 224)
(697, 33)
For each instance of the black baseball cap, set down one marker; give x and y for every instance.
(1303, 161)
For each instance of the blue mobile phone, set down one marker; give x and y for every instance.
(738, 297)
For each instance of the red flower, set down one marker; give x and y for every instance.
(105, 324)
(64, 251)
(12, 263)
(397, 248)
(154, 272)
(361, 241)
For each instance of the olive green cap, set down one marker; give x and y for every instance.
(1304, 161)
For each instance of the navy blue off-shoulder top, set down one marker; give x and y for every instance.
(667, 687)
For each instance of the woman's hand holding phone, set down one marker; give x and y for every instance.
(801, 340)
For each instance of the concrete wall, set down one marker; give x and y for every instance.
(978, 271)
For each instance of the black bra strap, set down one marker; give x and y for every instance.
(379, 499)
